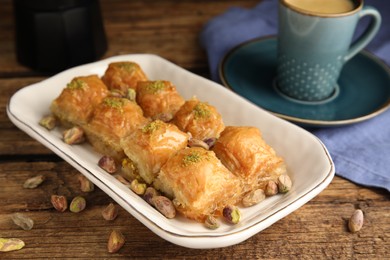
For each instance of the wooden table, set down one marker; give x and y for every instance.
(169, 29)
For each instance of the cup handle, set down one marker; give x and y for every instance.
(370, 32)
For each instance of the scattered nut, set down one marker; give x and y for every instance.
(74, 135)
(284, 183)
(271, 188)
(33, 182)
(59, 202)
(108, 164)
(22, 221)
(123, 180)
(116, 93)
(78, 204)
(164, 206)
(149, 194)
(210, 141)
(115, 241)
(110, 212)
(231, 214)
(131, 94)
(10, 244)
(129, 170)
(253, 197)
(192, 142)
(85, 184)
(137, 187)
(355, 223)
(48, 122)
(211, 222)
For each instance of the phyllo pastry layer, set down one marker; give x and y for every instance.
(245, 153)
(151, 146)
(113, 119)
(75, 104)
(200, 119)
(123, 75)
(199, 184)
(159, 99)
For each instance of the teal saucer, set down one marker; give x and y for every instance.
(364, 86)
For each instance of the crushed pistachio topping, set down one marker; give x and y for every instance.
(76, 84)
(155, 86)
(151, 127)
(201, 110)
(193, 157)
(117, 103)
(127, 66)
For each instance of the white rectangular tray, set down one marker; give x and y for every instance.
(309, 163)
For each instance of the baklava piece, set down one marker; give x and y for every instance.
(200, 119)
(199, 184)
(75, 104)
(159, 99)
(151, 146)
(112, 120)
(245, 153)
(121, 76)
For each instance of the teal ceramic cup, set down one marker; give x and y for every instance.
(313, 47)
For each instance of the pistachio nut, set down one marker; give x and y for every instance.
(78, 204)
(74, 135)
(284, 183)
(85, 184)
(115, 241)
(164, 206)
(108, 164)
(110, 212)
(10, 244)
(33, 182)
(355, 223)
(231, 214)
(271, 188)
(22, 221)
(149, 194)
(137, 187)
(48, 122)
(59, 202)
(211, 222)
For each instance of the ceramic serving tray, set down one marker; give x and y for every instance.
(308, 161)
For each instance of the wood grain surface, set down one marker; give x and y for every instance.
(317, 230)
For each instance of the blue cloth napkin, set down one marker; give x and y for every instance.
(361, 152)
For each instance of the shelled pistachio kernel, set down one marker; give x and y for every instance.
(253, 198)
(33, 182)
(284, 183)
(231, 214)
(108, 164)
(137, 187)
(22, 221)
(10, 244)
(115, 241)
(192, 142)
(110, 212)
(131, 94)
(211, 222)
(164, 206)
(271, 188)
(355, 223)
(59, 202)
(149, 194)
(78, 204)
(85, 184)
(48, 122)
(74, 135)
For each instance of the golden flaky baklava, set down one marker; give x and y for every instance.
(199, 184)
(77, 101)
(245, 153)
(123, 75)
(159, 99)
(200, 119)
(113, 119)
(151, 146)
